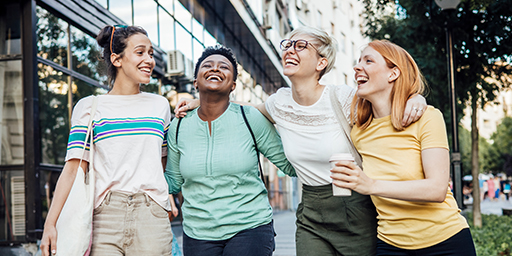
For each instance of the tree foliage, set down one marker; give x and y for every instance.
(482, 40)
(499, 156)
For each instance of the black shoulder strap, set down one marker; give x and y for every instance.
(255, 144)
(177, 129)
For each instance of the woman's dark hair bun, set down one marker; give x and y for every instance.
(103, 37)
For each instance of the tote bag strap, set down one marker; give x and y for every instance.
(345, 127)
(89, 132)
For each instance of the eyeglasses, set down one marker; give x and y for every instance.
(298, 45)
(112, 36)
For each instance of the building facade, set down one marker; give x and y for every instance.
(49, 60)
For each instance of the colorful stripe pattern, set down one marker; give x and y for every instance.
(114, 127)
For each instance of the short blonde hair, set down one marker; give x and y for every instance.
(324, 43)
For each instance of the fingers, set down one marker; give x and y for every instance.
(412, 114)
(181, 111)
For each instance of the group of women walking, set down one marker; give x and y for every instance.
(400, 204)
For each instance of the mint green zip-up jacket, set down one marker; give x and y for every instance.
(218, 173)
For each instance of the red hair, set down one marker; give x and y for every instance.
(409, 82)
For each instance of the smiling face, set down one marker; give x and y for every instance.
(136, 63)
(301, 63)
(215, 74)
(373, 76)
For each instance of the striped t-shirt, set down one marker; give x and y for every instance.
(130, 134)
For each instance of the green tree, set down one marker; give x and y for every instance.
(499, 156)
(465, 150)
(482, 45)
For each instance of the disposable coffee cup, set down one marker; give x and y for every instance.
(337, 191)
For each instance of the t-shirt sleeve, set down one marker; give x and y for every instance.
(79, 122)
(167, 122)
(433, 130)
(268, 140)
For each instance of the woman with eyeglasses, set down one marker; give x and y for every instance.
(130, 148)
(406, 169)
(310, 132)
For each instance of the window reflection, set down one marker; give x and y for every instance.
(10, 30)
(87, 56)
(51, 37)
(12, 224)
(11, 113)
(53, 114)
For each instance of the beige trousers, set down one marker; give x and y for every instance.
(130, 224)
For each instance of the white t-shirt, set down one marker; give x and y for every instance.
(310, 134)
(130, 133)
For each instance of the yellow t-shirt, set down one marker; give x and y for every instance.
(389, 154)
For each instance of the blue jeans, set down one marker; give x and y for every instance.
(258, 241)
(460, 244)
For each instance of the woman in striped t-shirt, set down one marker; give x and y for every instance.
(129, 131)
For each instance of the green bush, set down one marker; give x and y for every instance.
(495, 236)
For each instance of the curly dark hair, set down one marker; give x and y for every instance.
(220, 50)
(120, 40)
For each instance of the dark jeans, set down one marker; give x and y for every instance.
(330, 225)
(459, 244)
(258, 241)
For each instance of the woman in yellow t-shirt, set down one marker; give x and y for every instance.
(406, 169)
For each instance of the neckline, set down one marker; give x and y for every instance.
(312, 105)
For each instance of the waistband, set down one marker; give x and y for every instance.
(128, 198)
(318, 189)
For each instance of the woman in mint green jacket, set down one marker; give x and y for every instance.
(214, 163)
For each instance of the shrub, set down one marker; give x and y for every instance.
(495, 236)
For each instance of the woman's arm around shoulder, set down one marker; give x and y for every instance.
(172, 168)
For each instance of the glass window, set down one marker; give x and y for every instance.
(11, 113)
(10, 30)
(167, 5)
(209, 40)
(54, 111)
(198, 49)
(144, 13)
(122, 9)
(167, 41)
(53, 114)
(184, 44)
(12, 224)
(197, 30)
(87, 56)
(51, 37)
(183, 15)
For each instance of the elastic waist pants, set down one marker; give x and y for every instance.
(335, 225)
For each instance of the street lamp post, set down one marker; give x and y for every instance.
(447, 5)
